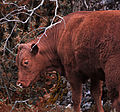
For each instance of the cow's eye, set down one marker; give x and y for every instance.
(26, 62)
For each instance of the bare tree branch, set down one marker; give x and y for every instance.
(24, 101)
(8, 38)
(13, 16)
(20, 9)
(5, 85)
(29, 13)
(85, 3)
(52, 22)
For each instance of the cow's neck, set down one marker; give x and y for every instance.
(48, 44)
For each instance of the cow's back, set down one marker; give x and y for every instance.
(86, 39)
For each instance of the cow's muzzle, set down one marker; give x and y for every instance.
(22, 84)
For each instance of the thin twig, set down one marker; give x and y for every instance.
(8, 38)
(20, 8)
(24, 101)
(9, 97)
(52, 22)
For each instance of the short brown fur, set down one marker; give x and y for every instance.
(86, 46)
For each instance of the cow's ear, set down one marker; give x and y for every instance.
(34, 49)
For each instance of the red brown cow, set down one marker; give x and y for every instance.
(86, 47)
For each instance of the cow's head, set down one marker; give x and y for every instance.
(31, 63)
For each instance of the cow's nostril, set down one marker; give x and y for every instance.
(19, 85)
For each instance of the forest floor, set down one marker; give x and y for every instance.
(55, 96)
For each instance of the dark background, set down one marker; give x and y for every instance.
(52, 89)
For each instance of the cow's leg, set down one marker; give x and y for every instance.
(76, 95)
(112, 77)
(96, 91)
